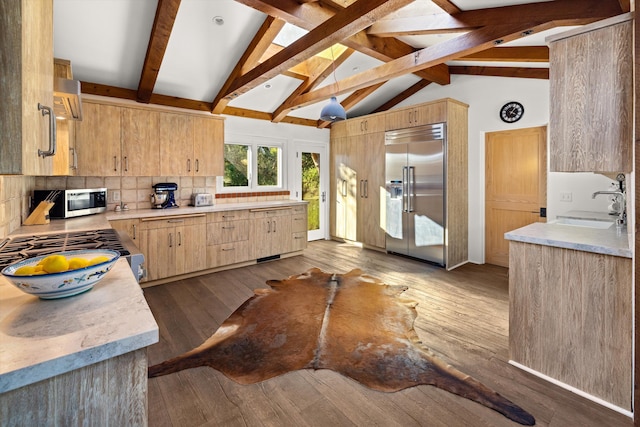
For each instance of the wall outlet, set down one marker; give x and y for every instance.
(115, 196)
(566, 197)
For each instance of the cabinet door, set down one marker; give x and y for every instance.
(281, 236)
(261, 234)
(370, 231)
(129, 226)
(98, 140)
(158, 247)
(344, 185)
(191, 248)
(176, 144)
(140, 152)
(208, 147)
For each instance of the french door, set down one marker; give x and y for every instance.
(311, 183)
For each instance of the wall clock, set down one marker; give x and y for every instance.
(511, 112)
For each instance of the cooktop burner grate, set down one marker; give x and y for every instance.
(23, 247)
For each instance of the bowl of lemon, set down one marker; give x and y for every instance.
(61, 274)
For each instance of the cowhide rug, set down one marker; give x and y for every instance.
(350, 323)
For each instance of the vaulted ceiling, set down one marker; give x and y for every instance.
(281, 60)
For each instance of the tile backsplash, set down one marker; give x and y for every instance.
(15, 191)
(135, 191)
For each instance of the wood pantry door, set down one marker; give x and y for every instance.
(515, 186)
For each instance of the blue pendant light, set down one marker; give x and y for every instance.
(333, 111)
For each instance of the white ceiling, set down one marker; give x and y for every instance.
(106, 41)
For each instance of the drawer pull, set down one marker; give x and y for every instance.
(228, 228)
(298, 237)
(228, 216)
(229, 249)
(298, 219)
(175, 220)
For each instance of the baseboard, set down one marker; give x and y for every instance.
(572, 389)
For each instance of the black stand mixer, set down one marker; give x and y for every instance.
(163, 195)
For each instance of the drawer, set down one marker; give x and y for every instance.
(225, 232)
(299, 241)
(227, 253)
(270, 212)
(172, 221)
(299, 223)
(227, 216)
(299, 209)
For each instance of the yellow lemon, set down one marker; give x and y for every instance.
(39, 269)
(25, 270)
(44, 260)
(99, 259)
(76, 263)
(55, 264)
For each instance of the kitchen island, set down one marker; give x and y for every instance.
(570, 308)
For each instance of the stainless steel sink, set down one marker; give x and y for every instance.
(588, 223)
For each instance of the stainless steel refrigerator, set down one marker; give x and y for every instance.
(415, 192)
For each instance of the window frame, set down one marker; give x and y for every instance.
(253, 142)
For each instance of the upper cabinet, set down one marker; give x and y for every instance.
(416, 115)
(119, 140)
(26, 37)
(591, 111)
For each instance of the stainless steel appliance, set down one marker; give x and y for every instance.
(415, 192)
(163, 196)
(16, 248)
(202, 199)
(72, 203)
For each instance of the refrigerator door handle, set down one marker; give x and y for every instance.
(405, 188)
(412, 191)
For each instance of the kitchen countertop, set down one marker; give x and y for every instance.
(40, 339)
(611, 241)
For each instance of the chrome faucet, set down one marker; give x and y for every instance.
(622, 215)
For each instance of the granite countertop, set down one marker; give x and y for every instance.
(610, 241)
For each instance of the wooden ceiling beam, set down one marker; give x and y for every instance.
(253, 53)
(166, 13)
(418, 25)
(519, 72)
(469, 43)
(352, 100)
(447, 6)
(511, 54)
(340, 26)
(310, 15)
(289, 104)
(402, 96)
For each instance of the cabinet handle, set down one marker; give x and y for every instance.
(366, 188)
(298, 219)
(268, 226)
(48, 111)
(115, 163)
(228, 228)
(409, 116)
(197, 165)
(228, 249)
(126, 164)
(274, 225)
(228, 216)
(175, 220)
(179, 238)
(170, 240)
(297, 237)
(188, 165)
(74, 156)
(135, 228)
(366, 125)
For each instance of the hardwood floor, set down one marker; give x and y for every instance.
(462, 317)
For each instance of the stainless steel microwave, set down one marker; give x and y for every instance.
(72, 203)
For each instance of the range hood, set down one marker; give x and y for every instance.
(66, 99)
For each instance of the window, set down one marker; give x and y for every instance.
(243, 161)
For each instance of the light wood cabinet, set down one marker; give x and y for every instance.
(64, 160)
(416, 115)
(227, 238)
(344, 185)
(271, 231)
(173, 245)
(571, 318)
(129, 226)
(299, 228)
(191, 145)
(98, 140)
(139, 139)
(26, 37)
(591, 97)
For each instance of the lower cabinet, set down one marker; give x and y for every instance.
(173, 245)
(271, 229)
(179, 244)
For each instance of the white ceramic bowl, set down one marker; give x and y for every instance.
(65, 283)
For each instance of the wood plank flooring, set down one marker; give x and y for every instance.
(462, 317)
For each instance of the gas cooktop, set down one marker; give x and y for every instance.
(21, 247)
